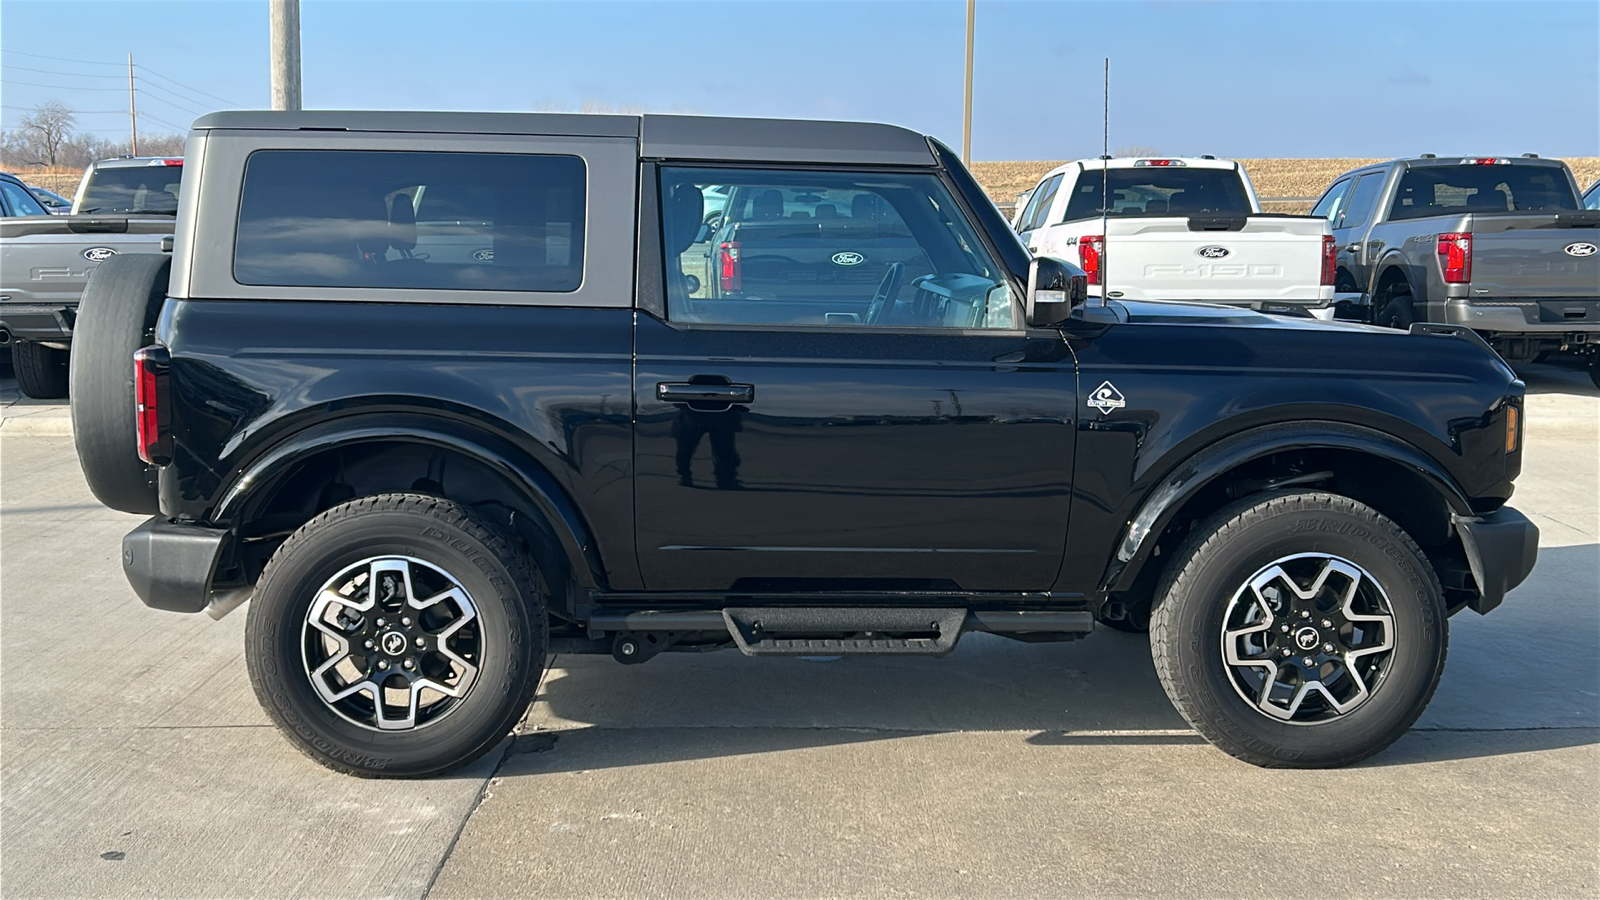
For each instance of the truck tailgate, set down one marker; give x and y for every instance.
(1536, 255)
(1249, 260)
(53, 268)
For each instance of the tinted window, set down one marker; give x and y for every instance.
(825, 248)
(1159, 191)
(454, 221)
(134, 190)
(1363, 200)
(1047, 197)
(19, 202)
(1332, 203)
(1442, 190)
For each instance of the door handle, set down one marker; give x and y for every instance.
(679, 392)
(1353, 248)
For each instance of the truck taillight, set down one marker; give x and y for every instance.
(149, 378)
(1091, 254)
(1455, 257)
(732, 273)
(1330, 257)
(172, 162)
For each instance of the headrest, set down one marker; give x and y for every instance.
(685, 207)
(402, 223)
(767, 205)
(827, 211)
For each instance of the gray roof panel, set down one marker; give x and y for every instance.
(580, 125)
(782, 140)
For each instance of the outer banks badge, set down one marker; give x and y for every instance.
(1106, 397)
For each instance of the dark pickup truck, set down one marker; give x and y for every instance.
(427, 470)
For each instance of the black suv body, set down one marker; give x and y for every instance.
(550, 438)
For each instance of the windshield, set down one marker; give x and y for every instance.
(133, 190)
(1160, 191)
(1441, 190)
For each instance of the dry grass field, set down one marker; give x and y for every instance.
(1004, 180)
(1272, 177)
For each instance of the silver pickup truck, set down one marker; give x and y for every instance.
(1500, 245)
(126, 205)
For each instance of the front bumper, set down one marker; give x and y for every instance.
(1501, 549)
(33, 322)
(173, 566)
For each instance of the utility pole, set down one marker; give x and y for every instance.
(285, 26)
(133, 115)
(966, 116)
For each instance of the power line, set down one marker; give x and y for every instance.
(53, 72)
(149, 71)
(175, 104)
(86, 62)
(160, 121)
(63, 87)
(76, 112)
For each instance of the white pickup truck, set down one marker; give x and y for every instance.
(1179, 229)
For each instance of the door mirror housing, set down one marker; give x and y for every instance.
(1054, 288)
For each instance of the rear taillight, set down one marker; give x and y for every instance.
(1091, 255)
(1455, 257)
(732, 274)
(1330, 259)
(150, 367)
(172, 162)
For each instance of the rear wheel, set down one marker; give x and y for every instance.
(1594, 368)
(1304, 630)
(41, 371)
(1398, 312)
(396, 636)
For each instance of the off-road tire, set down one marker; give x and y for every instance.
(41, 371)
(1398, 312)
(1594, 368)
(494, 571)
(116, 317)
(1186, 627)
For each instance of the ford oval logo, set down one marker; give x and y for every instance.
(484, 255)
(848, 258)
(1581, 248)
(1212, 252)
(101, 254)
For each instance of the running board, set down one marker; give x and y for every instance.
(838, 631)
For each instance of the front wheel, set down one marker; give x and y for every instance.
(1303, 630)
(396, 636)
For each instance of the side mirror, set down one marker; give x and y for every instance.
(1054, 288)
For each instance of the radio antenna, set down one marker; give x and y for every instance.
(1105, 181)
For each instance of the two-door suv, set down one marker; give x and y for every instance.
(442, 394)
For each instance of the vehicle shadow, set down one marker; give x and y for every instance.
(1095, 692)
(1561, 373)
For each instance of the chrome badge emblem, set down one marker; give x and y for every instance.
(1581, 248)
(848, 258)
(99, 254)
(1106, 397)
(1212, 252)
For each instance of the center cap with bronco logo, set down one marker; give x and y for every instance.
(393, 643)
(1306, 638)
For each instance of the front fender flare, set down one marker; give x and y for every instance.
(498, 454)
(1190, 476)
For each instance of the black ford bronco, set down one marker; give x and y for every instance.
(437, 395)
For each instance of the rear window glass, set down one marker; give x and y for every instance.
(386, 219)
(1159, 191)
(133, 190)
(1442, 190)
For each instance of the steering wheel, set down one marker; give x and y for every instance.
(888, 289)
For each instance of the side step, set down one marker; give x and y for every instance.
(830, 630)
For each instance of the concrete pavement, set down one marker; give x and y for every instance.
(134, 761)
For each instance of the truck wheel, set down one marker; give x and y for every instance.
(41, 371)
(1397, 313)
(1299, 631)
(396, 636)
(1594, 368)
(116, 317)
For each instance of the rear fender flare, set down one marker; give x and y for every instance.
(1193, 474)
(498, 454)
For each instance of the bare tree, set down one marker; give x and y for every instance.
(49, 125)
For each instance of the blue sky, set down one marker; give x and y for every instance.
(1287, 78)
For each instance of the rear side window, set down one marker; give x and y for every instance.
(1046, 195)
(134, 190)
(1442, 190)
(1159, 191)
(386, 219)
(21, 203)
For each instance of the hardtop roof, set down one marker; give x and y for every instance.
(710, 138)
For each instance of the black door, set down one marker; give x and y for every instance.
(794, 434)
